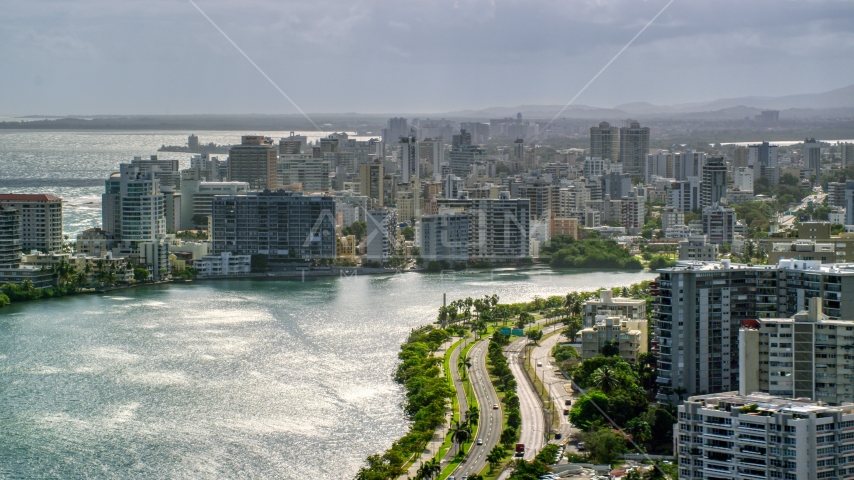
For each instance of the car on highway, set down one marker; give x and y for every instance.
(539, 364)
(495, 406)
(480, 441)
(580, 447)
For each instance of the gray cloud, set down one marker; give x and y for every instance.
(101, 56)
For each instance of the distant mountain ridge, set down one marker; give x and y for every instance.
(841, 98)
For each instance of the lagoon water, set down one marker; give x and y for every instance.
(225, 379)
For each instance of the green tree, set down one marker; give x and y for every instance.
(604, 445)
(140, 274)
(494, 458)
(639, 430)
(610, 349)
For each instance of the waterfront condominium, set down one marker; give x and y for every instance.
(630, 336)
(634, 147)
(253, 161)
(498, 228)
(445, 237)
(699, 308)
(381, 234)
(10, 237)
(605, 143)
(41, 220)
(371, 183)
(748, 436)
(285, 227)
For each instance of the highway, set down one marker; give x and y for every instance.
(559, 387)
(530, 406)
(489, 424)
(787, 221)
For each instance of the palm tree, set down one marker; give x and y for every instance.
(460, 432)
(472, 415)
(429, 470)
(463, 365)
(606, 379)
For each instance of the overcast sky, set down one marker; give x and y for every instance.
(63, 57)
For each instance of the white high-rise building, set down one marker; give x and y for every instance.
(846, 151)
(432, 151)
(743, 179)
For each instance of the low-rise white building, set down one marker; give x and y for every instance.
(224, 264)
(607, 304)
(630, 336)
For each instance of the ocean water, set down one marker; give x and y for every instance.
(74, 165)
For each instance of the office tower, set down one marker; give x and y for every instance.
(812, 158)
(719, 224)
(743, 179)
(630, 336)
(739, 157)
(371, 183)
(408, 159)
(605, 142)
(10, 237)
(432, 151)
(634, 147)
(499, 229)
(253, 162)
(609, 305)
(763, 159)
(713, 187)
(685, 195)
(381, 235)
(846, 152)
(312, 174)
(397, 127)
(445, 237)
(749, 436)
(40, 220)
(197, 198)
(284, 227)
(460, 140)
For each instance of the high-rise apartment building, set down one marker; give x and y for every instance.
(763, 159)
(445, 237)
(743, 179)
(197, 198)
(836, 194)
(698, 248)
(167, 171)
(713, 187)
(605, 142)
(432, 151)
(254, 161)
(408, 159)
(371, 183)
(10, 237)
(688, 164)
(311, 173)
(633, 212)
(812, 158)
(685, 194)
(397, 127)
(658, 165)
(846, 152)
(499, 229)
(479, 131)
(286, 227)
(40, 220)
(699, 308)
(634, 147)
(719, 224)
(805, 356)
(381, 235)
(739, 157)
(750, 436)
